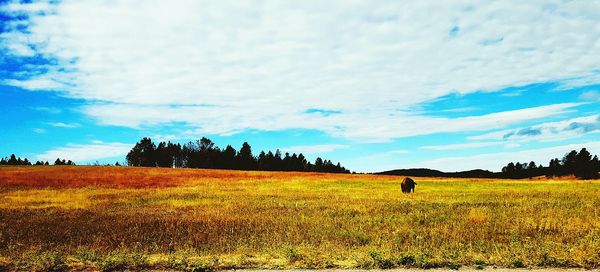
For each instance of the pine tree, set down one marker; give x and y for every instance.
(584, 166)
(13, 160)
(568, 163)
(142, 154)
(245, 159)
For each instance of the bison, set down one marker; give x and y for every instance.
(408, 185)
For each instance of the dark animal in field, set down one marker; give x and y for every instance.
(408, 185)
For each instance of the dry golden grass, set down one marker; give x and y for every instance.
(117, 218)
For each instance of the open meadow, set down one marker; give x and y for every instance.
(115, 218)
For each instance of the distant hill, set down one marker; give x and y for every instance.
(425, 172)
(580, 164)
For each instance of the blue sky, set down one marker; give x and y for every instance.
(374, 85)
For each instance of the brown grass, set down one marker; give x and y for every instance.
(117, 218)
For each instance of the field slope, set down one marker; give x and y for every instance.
(114, 218)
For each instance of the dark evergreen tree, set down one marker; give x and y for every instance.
(568, 163)
(245, 159)
(184, 156)
(302, 163)
(175, 152)
(167, 154)
(13, 160)
(142, 154)
(286, 164)
(318, 167)
(228, 157)
(584, 166)
(205, 154)
(595, 164)
(192, 155)
(262, 161)
(554, 168)
(208, 154)
(519, 167)
(277, 161)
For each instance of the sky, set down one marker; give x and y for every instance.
(375, 85)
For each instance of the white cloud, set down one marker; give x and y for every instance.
(459, 110)
(495, 161)
(165, 138)
(378, 162)
(313, 149)
(51, 110)
(383, 155)
(461, 146)
(35, 7)
(39, 130)
(396, 152)
(402, 125)
(64, 125)
(549, 131)
(582, 80)
(86, 152)
(21, 50)
(35, 84)
(229, 66)
(592, 96)
(361, 125)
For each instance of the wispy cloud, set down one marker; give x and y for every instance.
(265, 67)
(549, 131)
(51, 110)
(464, 109)
(513, 93)
(461, 146)
(64, 125)
(43, 83)
(592, 96)
(86, 152)
(363, 125)
(377, 162)
(313, 149)
(490, 161)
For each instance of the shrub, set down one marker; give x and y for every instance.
(454, 266)
(198, 267)
(518, 264)
(292, 254)
(407, 260)
(122, 261)
(479, 264)
(380, 261)
(50, 261)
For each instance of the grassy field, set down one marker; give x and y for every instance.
(112, 218)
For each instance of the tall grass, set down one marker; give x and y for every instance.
(119, 218)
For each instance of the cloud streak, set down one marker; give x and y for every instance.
(64, 125)
(549, 131)
(490, 161)
(86, 152)
(461, 146)
(313, 149)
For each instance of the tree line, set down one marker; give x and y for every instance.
(580, 164)
(14, 160)
(204, 153)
